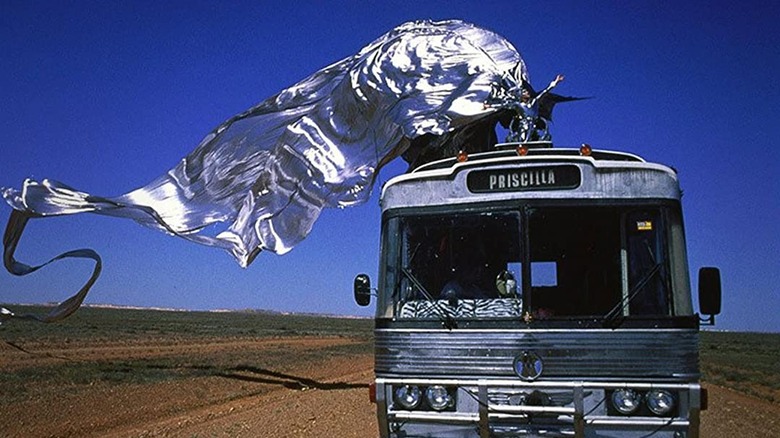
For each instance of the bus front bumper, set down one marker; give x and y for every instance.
(509, 408)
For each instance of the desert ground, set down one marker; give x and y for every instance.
(292, 377)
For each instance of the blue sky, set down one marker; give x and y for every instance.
(106, 96)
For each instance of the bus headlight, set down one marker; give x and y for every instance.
(408, 396)
(438, 397)
(626, 401)
(660, 402)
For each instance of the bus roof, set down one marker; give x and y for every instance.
(539, 173)
(507, 150)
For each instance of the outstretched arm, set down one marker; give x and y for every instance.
(552, 85)
(558, 79)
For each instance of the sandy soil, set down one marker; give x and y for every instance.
(324, 399)
(732, 414)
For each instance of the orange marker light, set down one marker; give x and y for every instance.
(585, 150)
(462, 156)
(522, 150)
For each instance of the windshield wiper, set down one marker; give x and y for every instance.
(446, 319)
(610, 319)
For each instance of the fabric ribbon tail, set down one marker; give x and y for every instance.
(13, 233)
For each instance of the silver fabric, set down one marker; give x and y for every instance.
(260, 180)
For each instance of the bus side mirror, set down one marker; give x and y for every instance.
(362, 290)
(709, 292)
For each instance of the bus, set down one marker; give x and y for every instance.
(532, 291)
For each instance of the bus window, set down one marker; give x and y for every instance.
(451, 263)
(575, 261)
(647, 286)
(544, 274)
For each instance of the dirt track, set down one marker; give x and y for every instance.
(325, 398)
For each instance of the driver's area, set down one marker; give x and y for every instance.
(460, 266)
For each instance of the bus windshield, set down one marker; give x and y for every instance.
(534, 262)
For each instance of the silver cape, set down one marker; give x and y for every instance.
(260, 179)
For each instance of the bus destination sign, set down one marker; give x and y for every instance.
(522, 179)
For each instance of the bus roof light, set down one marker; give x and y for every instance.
(462, 156)
(586, 150)
(522, 150)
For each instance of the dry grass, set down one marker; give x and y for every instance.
(746, 362)
(118, 346)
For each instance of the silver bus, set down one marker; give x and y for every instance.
(534, 291)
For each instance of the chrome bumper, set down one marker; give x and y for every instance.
(583, 411)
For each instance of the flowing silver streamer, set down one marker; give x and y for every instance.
(267, 173)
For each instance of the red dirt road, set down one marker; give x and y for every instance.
(327, 397)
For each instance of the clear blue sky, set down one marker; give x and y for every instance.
(106, 96)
